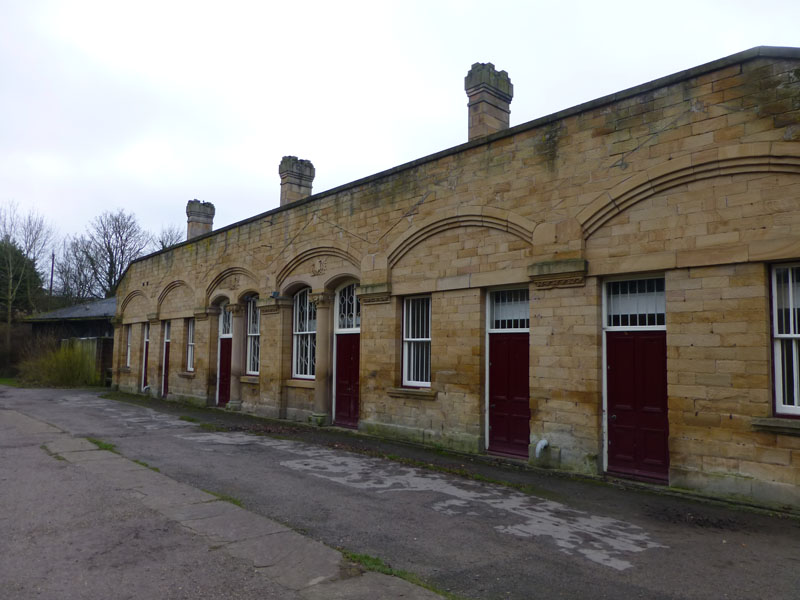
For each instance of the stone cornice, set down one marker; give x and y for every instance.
(558, 273)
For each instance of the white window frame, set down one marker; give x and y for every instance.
(304, 335)
(416, 342)
(190, 344)
(782, 362)
(657, 304)
(127, 346)
(491, 328)
(607, 308)
(253, 316)
(519, 325)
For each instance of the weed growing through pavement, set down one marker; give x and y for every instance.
(53, 454)
(373, 563)
(144, 464)
(226, 498)
(104, 445)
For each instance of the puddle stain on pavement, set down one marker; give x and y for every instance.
(603, 540)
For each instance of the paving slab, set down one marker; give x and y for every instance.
(67, 443)
(368, 586)
(26, 424)
(197, 510)
(167, 492)
(234, 525)
(290, 559)
(82, 456)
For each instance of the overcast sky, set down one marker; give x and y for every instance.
(145, 105)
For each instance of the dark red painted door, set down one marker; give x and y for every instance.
(224, 382)
(347, 357)
(165, 382)
(638, 423)
(144, 363)
(509, 406)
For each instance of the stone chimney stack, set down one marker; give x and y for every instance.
(296, 178)
(490, 93)
(200, 218)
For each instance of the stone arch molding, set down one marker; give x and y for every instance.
(131, 298)
(234, 273)
(168, 295)
(759, 157)
(316, 252)
(467, 216)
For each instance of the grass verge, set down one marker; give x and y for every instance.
(373, 563)
(10, 381)
(188, 419)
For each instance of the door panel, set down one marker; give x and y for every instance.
(638, 424)
(224, 375)
(347, 363)
(509, 405)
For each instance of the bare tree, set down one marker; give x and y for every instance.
(169, 236)
(24, 239)
(112, 242)
(73, 274)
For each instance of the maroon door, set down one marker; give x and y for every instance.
(224, 381)
(347, 356)
(638, 425)
(165, 377)
(509, 406)
(144, 363)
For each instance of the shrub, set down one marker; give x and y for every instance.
(70, 365)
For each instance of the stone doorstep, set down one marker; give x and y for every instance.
(280, 554)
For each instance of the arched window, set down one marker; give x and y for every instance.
(304, 337)
(253, 335)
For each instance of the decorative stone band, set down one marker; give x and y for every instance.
(558, 273)
(375, 298)
(377, 293)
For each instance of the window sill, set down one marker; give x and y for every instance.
(784, 426)
(412, 393)
(186, 374)
(125, 370)
(251, 379)
(299, 383)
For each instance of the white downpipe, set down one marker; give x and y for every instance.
(540, 446)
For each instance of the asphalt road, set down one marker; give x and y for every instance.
(570, 539)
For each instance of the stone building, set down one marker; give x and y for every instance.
(614, 288)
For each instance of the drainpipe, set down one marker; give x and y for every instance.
(540, 446)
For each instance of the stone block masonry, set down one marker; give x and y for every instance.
(690, 180)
